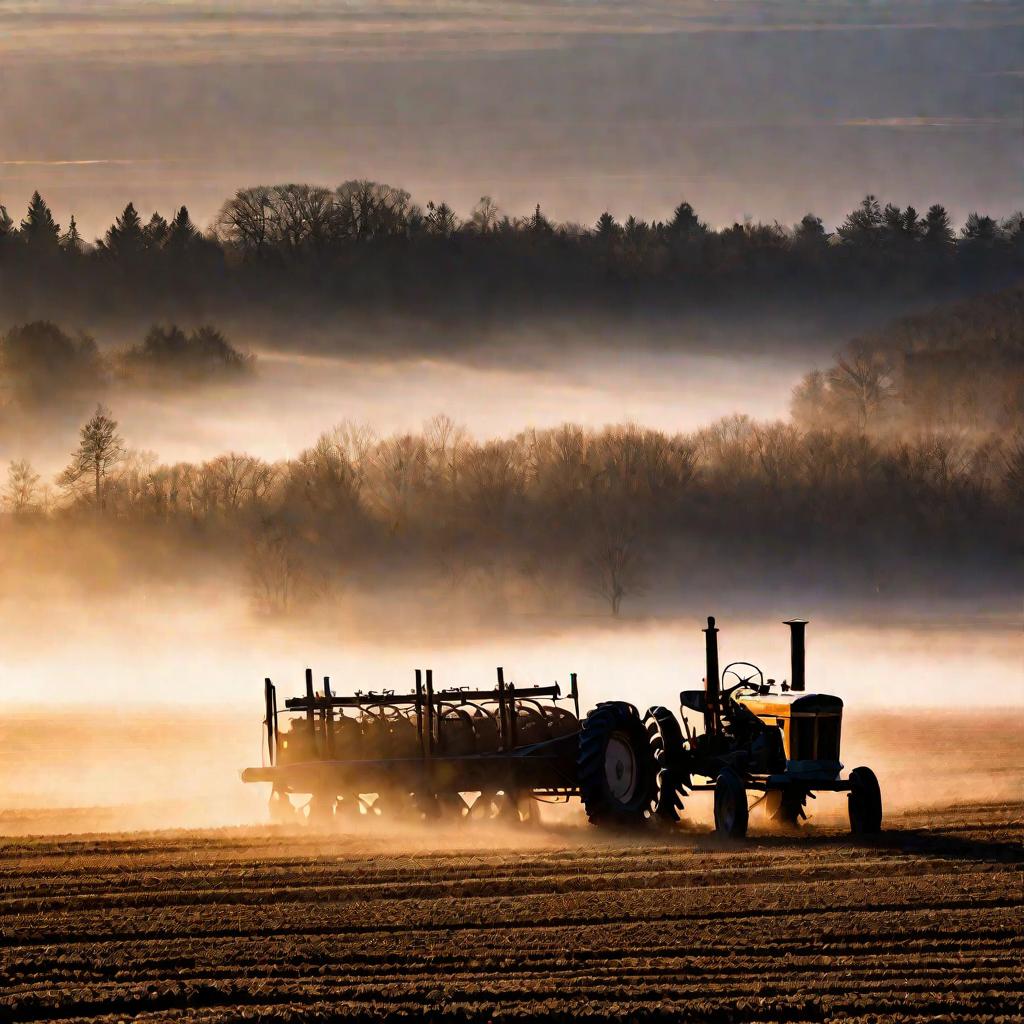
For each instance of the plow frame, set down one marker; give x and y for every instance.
(543, 769)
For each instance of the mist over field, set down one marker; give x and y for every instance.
(380, 336)
(511, 510)
(306, 504)
(294, 397)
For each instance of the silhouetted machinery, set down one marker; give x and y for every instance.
(462, 752)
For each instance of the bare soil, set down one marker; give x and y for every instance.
(469, 923)
(925, 922)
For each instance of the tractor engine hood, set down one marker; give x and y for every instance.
(811, 725)
(786, 704)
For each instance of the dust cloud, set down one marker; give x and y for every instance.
(140, 713)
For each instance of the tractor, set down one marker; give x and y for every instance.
(758, 737)
(465, 752)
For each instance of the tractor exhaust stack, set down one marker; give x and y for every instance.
(797, 653)
(712, 679)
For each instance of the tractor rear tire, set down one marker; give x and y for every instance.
(731, 814)
(864, 803)
(666, 739)
(615, 766)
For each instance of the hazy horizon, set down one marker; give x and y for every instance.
(762, 110)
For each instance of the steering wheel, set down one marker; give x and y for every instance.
(744, 681)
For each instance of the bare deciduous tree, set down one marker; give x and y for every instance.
(241, 480)
(100, 447)
(615, 562)
(246, 220)
(22, 491)
(368, 209)
(485, 215)
(274, 570)
(861, 381)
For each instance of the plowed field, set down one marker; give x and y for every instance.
(923, 923)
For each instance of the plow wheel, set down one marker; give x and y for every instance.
(346, 808)
(506, 808)
(730, 805)
(786, 806)
(378, 807)
(865, 803)
(281, 810)
(392, 805)
(616, 768)
(424, 807)
(666, 740)
(451, 807)
(488, 806)
(319, 810)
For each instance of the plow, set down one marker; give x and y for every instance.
(495, 753)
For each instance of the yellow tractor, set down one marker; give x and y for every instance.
(778, 740)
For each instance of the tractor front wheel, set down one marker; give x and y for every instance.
(616, 768)
(865, 803)
(731, 813)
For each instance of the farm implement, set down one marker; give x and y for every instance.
(493, 753)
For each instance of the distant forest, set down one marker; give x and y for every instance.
(304, 251)
(902, 468)
(41, 364)
(956, 368)
(548, 521)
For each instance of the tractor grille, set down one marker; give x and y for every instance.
(815, 738)
(828, 738)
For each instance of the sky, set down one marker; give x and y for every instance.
(746, 109)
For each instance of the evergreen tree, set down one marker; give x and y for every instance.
(1013, 231)
(810, 234)
(899, 226)
(606, 229)
(7, 230)
(938, 231)
(635, 230)
(913, 226)
(125, 238)
(441, 219)
(40, 363)
(39, 230)
(892, 219)
(539, 224)
(980, 228)
(71, 240)
(685, 223)
(863, 226)
(182, 233)
(99, 448)
(155, 232)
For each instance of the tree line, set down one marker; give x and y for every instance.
(368, 245)
(956, 368)
(42, 365)
(607, 513)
